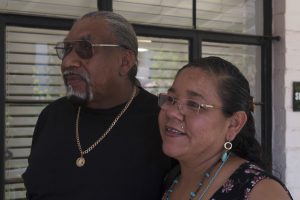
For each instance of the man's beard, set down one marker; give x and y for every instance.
(76, 96)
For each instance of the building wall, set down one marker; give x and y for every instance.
(286, 70)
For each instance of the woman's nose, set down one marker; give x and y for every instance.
(176, 110)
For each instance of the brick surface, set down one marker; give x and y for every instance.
(286, 69)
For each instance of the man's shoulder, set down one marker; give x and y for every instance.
(147, 96)
(146, 100)
(57, 102)
(62, 104)
(146, 93)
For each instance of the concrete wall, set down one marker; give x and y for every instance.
(286, 69)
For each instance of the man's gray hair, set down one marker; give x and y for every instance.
(124, 33)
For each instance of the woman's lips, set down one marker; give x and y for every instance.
(173, 132)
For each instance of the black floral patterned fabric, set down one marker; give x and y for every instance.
(238, 186)
(242, 181)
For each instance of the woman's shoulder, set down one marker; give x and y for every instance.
(249, 170)
(255, 183)
(269, 189)
(264, 185)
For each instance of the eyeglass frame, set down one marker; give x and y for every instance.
(201, 106)
(57, 48)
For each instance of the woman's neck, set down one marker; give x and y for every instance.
(196, 178)
(196, 167)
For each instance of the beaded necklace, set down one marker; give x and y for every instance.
(206, 174)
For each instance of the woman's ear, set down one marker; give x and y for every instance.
(237, 122)
(127, 62)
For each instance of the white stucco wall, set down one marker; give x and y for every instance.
(286, 70)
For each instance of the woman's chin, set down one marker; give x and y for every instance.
(171, 150)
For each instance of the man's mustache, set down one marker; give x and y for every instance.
(82, 75)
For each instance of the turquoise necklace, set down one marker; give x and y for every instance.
(193, 194)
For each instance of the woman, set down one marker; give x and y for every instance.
(207, 125)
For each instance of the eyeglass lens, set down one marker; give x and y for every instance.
(164, 100)
(188, 107)
(83, 49)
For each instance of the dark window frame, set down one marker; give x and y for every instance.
(195, 38)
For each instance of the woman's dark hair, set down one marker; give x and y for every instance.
(234, 91)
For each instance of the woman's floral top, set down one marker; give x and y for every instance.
(241, 182)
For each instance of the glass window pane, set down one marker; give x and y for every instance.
(32, 74)
(20, 120)
(247, 59)
(62, 8)
(235, 16)
(32, 67)
(159, 60)
(174, 13)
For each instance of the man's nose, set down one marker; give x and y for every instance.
(71, 59)
(70, 51)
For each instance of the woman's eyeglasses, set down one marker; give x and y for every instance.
(84, 49)
(186, 106)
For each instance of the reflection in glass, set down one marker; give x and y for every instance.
(32, 75)
(235, 16)
(174, 13)
(32, 67)
(61, 8)
(159, 60)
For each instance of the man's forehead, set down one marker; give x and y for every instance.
(91, 29)
(90, 23)
(80, 36)
(83, 36)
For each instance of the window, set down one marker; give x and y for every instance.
(234, 16)
(159, 60)
(61, 8)
(174, 13)
(32, 80)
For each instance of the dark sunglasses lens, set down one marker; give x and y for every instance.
(60, 50)
(84, 49)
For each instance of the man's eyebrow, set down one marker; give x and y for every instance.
(194, 94)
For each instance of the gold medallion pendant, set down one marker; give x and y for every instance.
(80, 161)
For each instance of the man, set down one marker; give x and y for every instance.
(102, 140)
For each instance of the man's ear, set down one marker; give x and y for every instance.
(127, 62)
(236, 123)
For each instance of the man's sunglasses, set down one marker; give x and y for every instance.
(84, 49)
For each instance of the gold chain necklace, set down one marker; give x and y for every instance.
(81, 160)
